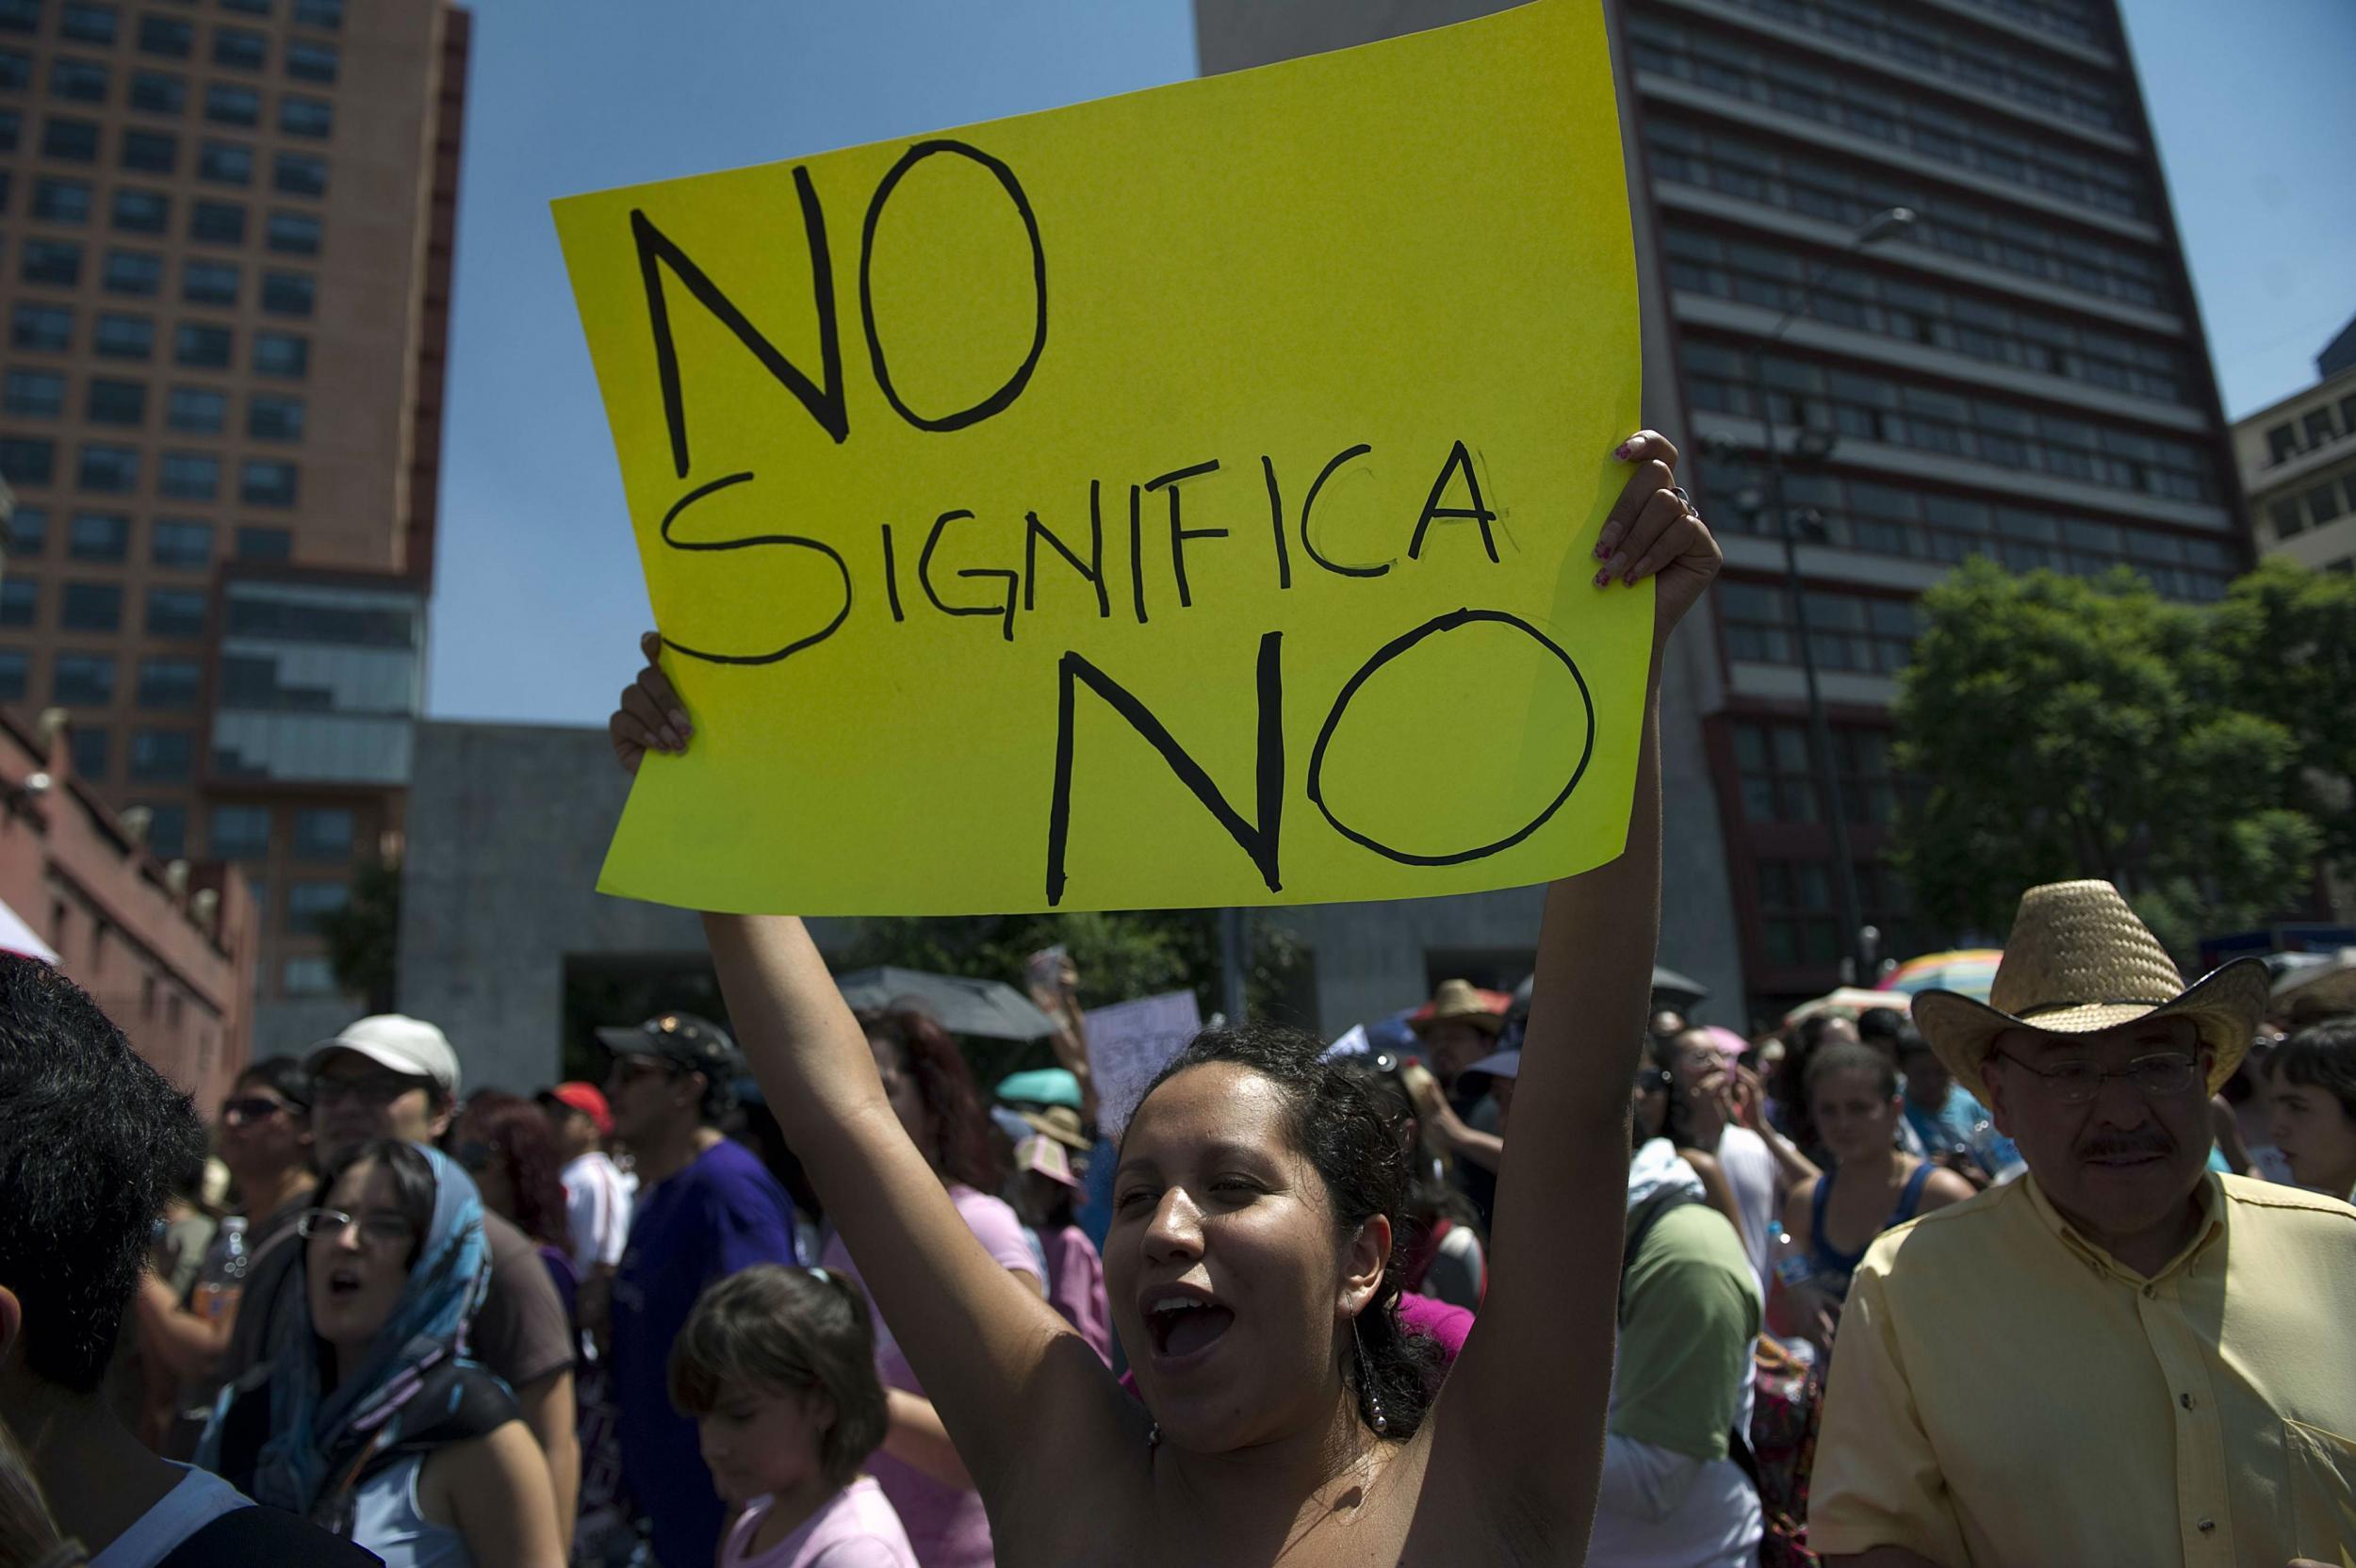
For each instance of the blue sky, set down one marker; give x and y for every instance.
(538, 597)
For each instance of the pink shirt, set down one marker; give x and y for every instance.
(945, 1524)
(1075, 1286)
(855, 1529)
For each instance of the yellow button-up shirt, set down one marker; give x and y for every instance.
(2004, 1391)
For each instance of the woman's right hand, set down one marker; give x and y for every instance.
(650, 717)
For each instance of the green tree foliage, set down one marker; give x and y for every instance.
(2282, 645)
(2057, 727)
(364, 936)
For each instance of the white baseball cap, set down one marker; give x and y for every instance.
(407, 1045)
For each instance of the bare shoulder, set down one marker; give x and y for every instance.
(462, 1479)
(1944, 1187)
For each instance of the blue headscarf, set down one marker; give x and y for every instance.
(318, 1447)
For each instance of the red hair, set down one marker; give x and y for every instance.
(522, 1142)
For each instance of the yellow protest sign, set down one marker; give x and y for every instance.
(1185, 498)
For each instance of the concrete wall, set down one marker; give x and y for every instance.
(507, 827)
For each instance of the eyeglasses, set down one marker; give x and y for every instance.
(377, 1088)
(252, 1107)
(377, 1228)
(2077, 1083)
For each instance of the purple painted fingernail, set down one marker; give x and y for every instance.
(679, 721)
(1603, 577)
(1625, 451)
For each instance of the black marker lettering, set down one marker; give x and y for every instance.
(925, 576)
(891, 576)
(1276, 524)
(1309, 504)
(1393, 649)
(789, 540)
(1136, 551)
(1260, 839)
(1457, 458)
(1178, 535)
(656, 251)
(1012, 387)
(1092, 568)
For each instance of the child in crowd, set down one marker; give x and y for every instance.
(778, 1366)
(1047, 1187)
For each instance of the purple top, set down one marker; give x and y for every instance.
(855, 1529)
(1075, 1286)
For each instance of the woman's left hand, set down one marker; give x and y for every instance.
(1654, 532)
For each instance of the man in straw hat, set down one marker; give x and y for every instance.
(1458, 1026)
(2120, 1357)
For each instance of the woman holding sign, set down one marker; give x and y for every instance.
(1250, 1264)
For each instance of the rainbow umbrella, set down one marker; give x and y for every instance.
(1970, 970)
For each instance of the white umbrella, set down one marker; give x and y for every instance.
(17, 936)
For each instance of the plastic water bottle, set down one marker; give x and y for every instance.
(222, 1279)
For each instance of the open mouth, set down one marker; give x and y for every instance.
(343, 1281)
(1185, 1325)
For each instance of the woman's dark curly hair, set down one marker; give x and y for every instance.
(946, 1083)
(522, 1142)
(1358, 1146)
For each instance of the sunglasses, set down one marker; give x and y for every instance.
(250, 1108)
(1649, 1079)
(474, 1156)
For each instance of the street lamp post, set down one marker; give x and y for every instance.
(1883, 226)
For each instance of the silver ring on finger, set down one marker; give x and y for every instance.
(1683, 500)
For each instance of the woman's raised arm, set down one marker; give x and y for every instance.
(1521, 1417)
(991, 1352)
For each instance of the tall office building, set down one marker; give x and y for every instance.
(2019, 373)
(225, 242)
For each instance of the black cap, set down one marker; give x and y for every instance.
(687, 1042)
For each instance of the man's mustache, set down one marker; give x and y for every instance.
(2145, 1140)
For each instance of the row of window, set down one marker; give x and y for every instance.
(1799, 924)
(175, 612)
(1973, 59)
(1741, 166)
(177, 542)
(95, 22)
(245, 833)
(141, 275)
(197, 345)
(157, 756)
(1776, 278)
(132, 209)
(1806, 395)
(1846, 632)
(157, 92)
(105, 469)
(1777, 783)
(1920, 525)
(2317, 429)
(1737, 68)
(2315, 506)
(61, 199)
(2066, 19)
(235, 48)
(193, 410)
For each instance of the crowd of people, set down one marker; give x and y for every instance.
(2050, 1277)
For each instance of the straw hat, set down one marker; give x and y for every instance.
(1060, 1122)
(1461, 1000)
(2078, 961)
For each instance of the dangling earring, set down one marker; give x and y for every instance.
(1153, 1436)
(1365, 1384)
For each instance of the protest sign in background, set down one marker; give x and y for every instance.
(1131, 1042)
(1185, 498)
